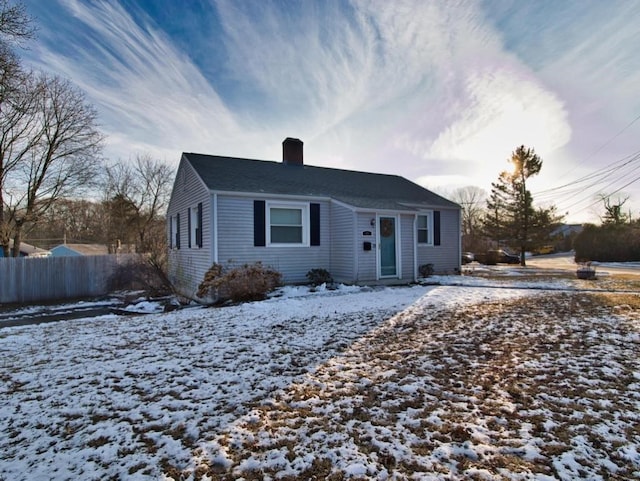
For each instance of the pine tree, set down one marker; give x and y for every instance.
(511, 217)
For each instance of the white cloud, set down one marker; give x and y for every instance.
(149, 94)
(504, 110)
(445, 184)
(407, 87)
(365, 75)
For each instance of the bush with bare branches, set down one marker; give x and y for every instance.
(250, 282)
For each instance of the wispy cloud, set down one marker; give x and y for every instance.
(150, 95)
(502, 108)
(409, 82)
(439, 89)
(397, 78)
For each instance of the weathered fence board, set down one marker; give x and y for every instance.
(26, 280)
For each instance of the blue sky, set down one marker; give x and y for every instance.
(440, 92)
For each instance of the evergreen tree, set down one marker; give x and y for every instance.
(511, 217)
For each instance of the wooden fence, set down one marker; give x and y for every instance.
(27, 280)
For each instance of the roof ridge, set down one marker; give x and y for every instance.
(294, 166)
(358, 188)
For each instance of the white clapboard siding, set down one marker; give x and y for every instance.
(343, 234)
(188, 265)
(236, 242)
(367, 260)
(407, 245)
(445, 257)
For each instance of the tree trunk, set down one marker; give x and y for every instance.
(17, 240)
(4, 229)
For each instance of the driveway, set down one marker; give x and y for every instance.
(564, 261)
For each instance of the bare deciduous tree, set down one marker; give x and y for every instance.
(53, 152)
(15, 107)
(472, 200)
(15, 24)
(18, 135)
(15, 27)
(613, 211)
(142, 189)
(69, 220)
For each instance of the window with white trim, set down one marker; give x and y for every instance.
(194, 226)
(424, 228)
(174, 232)
(288, 224)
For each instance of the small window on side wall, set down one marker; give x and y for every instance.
(195, 226)
(425, 228)
(174, 232)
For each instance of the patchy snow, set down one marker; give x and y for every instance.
(143, 306)
(471, 378)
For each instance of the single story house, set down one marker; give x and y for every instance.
(71, 250)
(362, 227)
(27, 250)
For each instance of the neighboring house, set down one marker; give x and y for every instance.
(27, 250)
(362, 227)
(566, 230)
(66, 250)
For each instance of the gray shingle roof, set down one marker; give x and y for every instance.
(359, 189)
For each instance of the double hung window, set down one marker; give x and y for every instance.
(174, 232)
(425, 228)
(288, 224)
(195, 226)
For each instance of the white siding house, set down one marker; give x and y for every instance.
(361, 227)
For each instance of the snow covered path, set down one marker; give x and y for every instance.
(408, 383)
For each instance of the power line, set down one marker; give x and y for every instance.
(600, 172)
(599, 200)
(605, 144)
(612, 174)
(618, 171)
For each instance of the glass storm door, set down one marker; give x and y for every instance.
(388, 256)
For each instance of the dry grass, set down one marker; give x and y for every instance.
(495, 391)
(607, 283)
(544, 387)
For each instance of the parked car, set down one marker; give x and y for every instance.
(497, 256)
(504, 257)
(548, 249)
(468, 257)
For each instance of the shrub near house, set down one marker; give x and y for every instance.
(250, 282)
(318, 277)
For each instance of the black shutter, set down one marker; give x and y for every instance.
(259, 232)
(177, 231)
(199, 229)
(314, 218)
(436, 227)
(170, 232)
(189, 226)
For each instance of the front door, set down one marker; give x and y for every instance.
(387, 242)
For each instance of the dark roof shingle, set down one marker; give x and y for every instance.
(359, 189)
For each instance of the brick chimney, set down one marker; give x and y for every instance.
(292, 151)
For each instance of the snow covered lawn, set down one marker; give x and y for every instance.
(423, 382)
